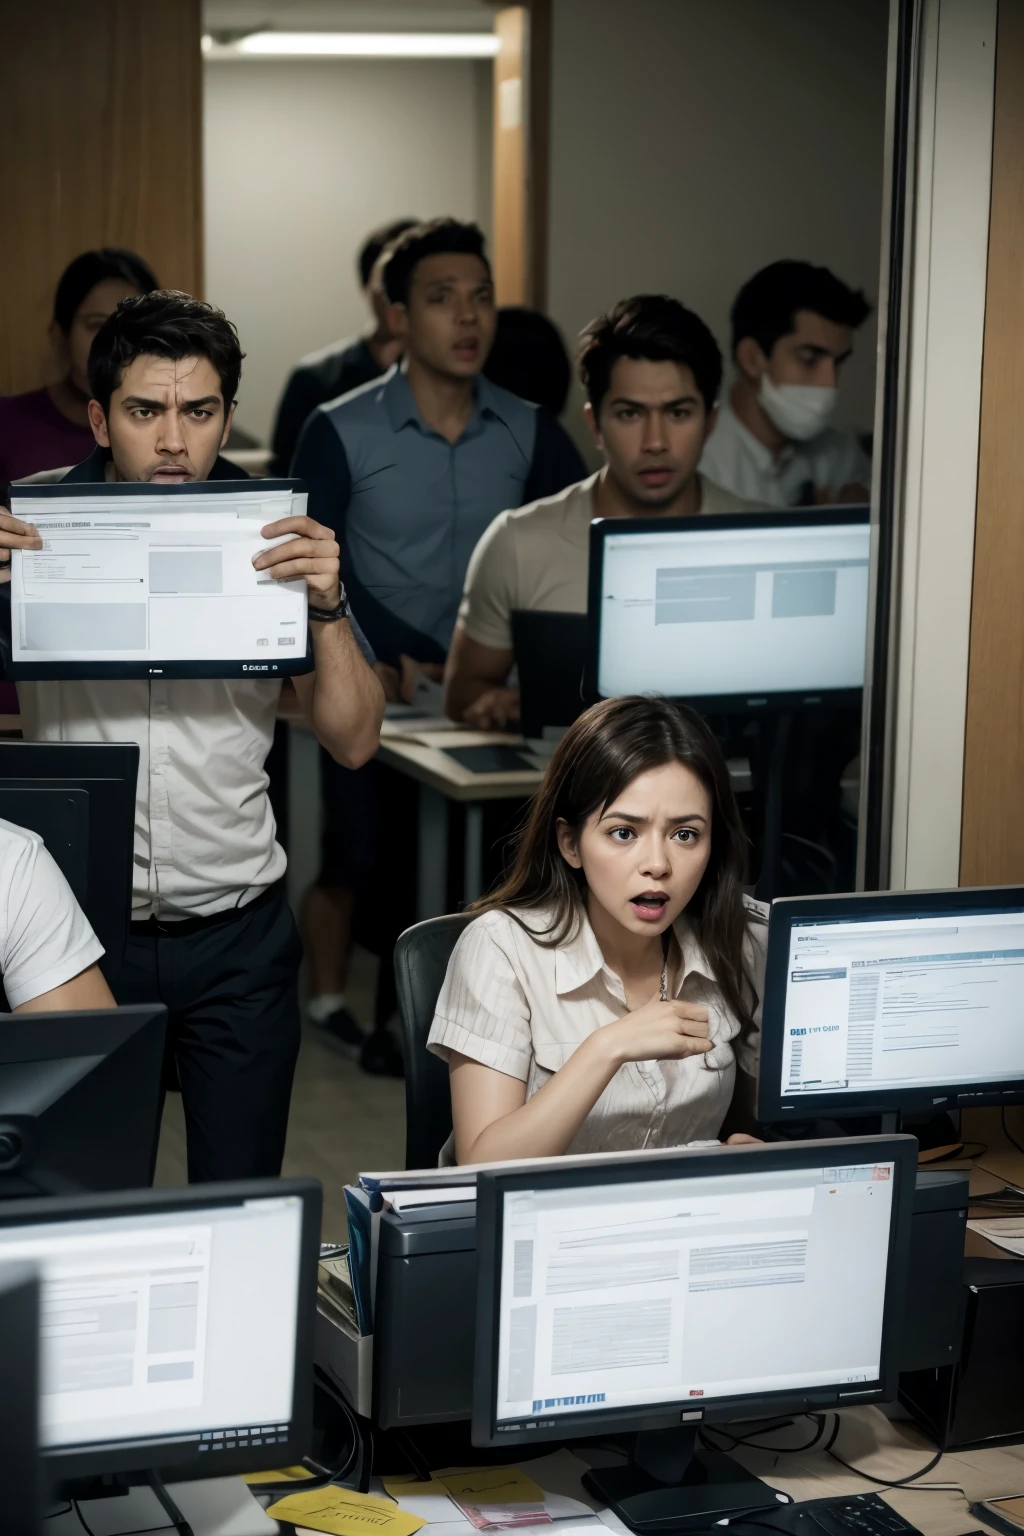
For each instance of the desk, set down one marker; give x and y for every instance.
(422, 757)
(868, 1439)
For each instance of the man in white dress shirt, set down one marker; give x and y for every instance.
(212, 935)
(792, 331)
(48, 952)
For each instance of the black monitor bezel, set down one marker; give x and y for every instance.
(772, 1104)
(728, 703)
(248, 668)
(180, 1459)
(768, 1157)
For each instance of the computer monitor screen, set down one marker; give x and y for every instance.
(80, 1099)
(743, 611)
(892, 1002)
(176, 1326)
(622, 1297)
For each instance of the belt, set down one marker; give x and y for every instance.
(181, 927)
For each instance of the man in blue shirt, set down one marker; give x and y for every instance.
(409, 471)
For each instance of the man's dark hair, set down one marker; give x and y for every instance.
(529, 358)
(80, 277)
(766, 307)
(653, 328)
(441, 237)
(375, 243)
(164, 323)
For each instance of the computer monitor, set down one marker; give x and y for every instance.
(906, 1001)
(80, 1099)
(679, 1293)
(21, 1474)
(731, 612)
(177, 1327)
(551, 658)
(80, 797)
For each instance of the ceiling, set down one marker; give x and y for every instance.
(350, 15)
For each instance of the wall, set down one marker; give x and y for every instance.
(302, 160)
(692, 144)
(94, 98)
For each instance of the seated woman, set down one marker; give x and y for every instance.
(607, 996)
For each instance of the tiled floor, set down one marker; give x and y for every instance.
(341, 1120)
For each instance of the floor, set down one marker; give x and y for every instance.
(342, 1122)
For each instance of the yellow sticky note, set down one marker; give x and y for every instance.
(341, 1512)
(283, 1475)
(405, 1486)
(493, 1485)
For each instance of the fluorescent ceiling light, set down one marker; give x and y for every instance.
(364, 45)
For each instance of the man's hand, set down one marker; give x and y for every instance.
(850, 495)
(312, 554)
(494, 710)
(14, 535)
(400, 686)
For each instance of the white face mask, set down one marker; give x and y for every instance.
(800, 411)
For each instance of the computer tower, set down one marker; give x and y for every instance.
(978, 1399)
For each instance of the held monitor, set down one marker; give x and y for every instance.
(155, 581)
(176, 1326)
(903, 1001)
(743, 611)
(716, 1285)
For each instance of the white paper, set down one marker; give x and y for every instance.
(155, 579)
(221, 1506)
(411, 1199)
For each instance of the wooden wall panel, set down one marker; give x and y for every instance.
(101, 145)
(992, 840)
(522, 111)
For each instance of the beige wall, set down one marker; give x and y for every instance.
(693, 143)
(302, 160)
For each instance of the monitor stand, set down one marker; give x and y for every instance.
(668, 1485)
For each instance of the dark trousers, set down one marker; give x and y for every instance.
(230, 986)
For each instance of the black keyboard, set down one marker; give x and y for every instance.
(852, 1514)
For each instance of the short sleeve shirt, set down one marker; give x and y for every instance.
(802, 472)
(536, 558)
(45, 939)
(522, 1008)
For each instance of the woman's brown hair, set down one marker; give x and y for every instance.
(607, 748)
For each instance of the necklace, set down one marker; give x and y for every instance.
(664, 980)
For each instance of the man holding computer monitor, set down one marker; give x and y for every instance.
(212, 935)
(652, 372)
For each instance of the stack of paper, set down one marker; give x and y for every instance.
(334, 1291)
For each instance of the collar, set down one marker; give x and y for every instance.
(93, 470)
(763, 458)
(579, 959)
(402, 409)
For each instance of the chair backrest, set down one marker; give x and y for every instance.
(421, 959)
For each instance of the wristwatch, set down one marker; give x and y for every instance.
(330, 615)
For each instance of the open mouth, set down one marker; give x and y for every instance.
(650, 905)
(655, 476)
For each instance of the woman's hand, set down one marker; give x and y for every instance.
(741, 1139)
(657, 1032)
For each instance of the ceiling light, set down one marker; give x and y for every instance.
(363, 45)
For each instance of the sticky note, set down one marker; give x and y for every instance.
(342, 1512)
(282, 1475)
(428, 1501)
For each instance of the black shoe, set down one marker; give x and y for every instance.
(344, 1032)
(380, 1056)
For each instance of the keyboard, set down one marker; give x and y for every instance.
(853, 1514)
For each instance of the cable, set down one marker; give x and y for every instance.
(86, 1527)
(958, 1155)
(780, 1450)
(883, 1482)
(1011, 1138)
(55, 1513)
(168, 1505)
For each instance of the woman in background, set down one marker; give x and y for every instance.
(49, 428)
(607, 996)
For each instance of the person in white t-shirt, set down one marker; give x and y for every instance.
(48, 952)
(792, 331)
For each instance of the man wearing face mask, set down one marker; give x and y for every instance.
(792, 330)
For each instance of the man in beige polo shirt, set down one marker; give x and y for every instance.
(651, 370)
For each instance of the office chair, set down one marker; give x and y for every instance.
(421, 959)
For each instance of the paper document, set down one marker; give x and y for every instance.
(497, 1497)
(342, 1512)
(154, 581)
(413, 1199)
